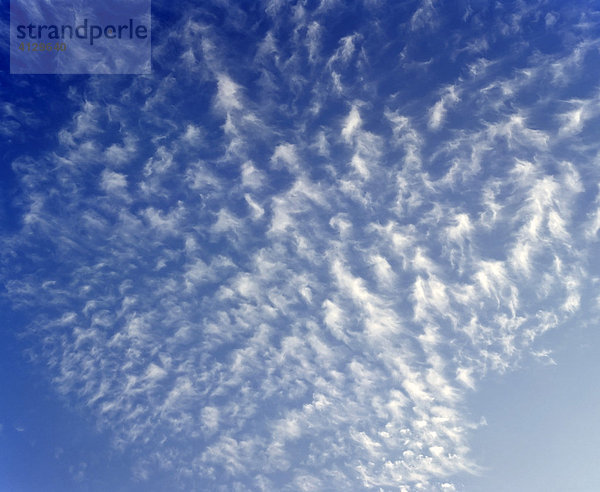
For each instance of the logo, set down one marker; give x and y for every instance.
(75, 37)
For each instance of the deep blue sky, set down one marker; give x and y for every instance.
(324, 246)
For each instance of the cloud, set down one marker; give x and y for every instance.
(424, 16)
(228, 93)
(437, 113)
(352, 124)
(113, 182)
(251, 280)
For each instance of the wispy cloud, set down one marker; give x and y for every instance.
(253, 281)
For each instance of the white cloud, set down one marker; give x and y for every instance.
(352, 124)
(303, 285)
(228, 93)
(113, 182)
(424, 16)
(437, 112)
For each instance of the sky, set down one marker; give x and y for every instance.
(321, 246)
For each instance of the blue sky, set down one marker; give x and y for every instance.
(323, 246)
